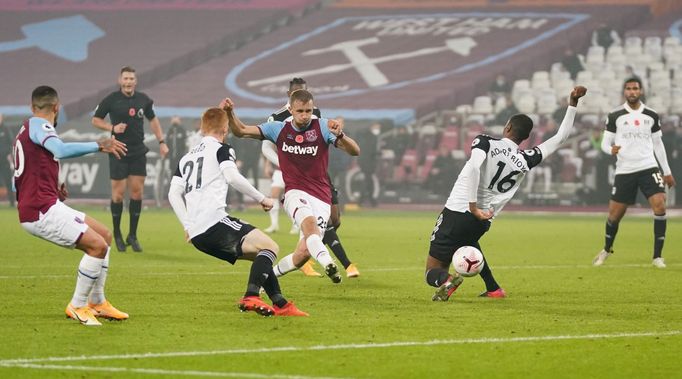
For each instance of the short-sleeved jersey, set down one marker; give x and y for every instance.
(502, 172)
(36, 170)
(200, 173)
(633, 129)
(303, 155)
(283, 113)
(132, 111)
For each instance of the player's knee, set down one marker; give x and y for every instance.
(98, 248)
(116, 197)
(271, 245)
(106, 234)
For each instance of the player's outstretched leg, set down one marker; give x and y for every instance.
(281, 306)
(261, 269)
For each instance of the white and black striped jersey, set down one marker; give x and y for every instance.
(632, 130)
(200, 173)
(501, 172)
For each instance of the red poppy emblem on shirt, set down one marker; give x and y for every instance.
(299, 139)
(636, 122)
(131, 112)
(311, 135)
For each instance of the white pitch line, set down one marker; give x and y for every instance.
(378, 345)
(154, 371)
(386, 269)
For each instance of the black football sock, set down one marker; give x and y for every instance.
(260, 270)
(271, 287)
(660, 224)
(134, 208)
(332, 240)
(487, 276)
(610, 236)
(435, 277)
(116, 212)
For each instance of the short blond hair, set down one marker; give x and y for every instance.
(213, 120)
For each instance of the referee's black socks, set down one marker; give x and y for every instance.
(116, 211)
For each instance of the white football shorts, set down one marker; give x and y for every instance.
(300, 204)
(61, 225)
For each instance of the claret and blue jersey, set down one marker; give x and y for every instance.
(37, 150)
(303, 155)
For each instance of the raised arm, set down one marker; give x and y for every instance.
(62, 150)
(343, 142)
(551, 145)
(237, 127)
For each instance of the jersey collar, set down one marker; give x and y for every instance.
(511, 143)
(630, 110)
(211, 138)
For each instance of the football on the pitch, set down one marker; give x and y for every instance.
(468, 261)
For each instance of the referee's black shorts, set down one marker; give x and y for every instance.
(120, 169)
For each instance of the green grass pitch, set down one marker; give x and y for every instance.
(563, 318)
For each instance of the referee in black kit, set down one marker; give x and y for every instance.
(127, 110)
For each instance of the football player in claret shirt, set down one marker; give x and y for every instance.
(331, 238)
(486, 183)
(197, 194)
(303, 152)
(37, 151)
(633, 135)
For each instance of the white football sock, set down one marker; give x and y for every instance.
(88, 273)
(285, 266)
(97, 293)
(274, 215)
(317, 250)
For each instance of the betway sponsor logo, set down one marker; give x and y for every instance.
(299, 150)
